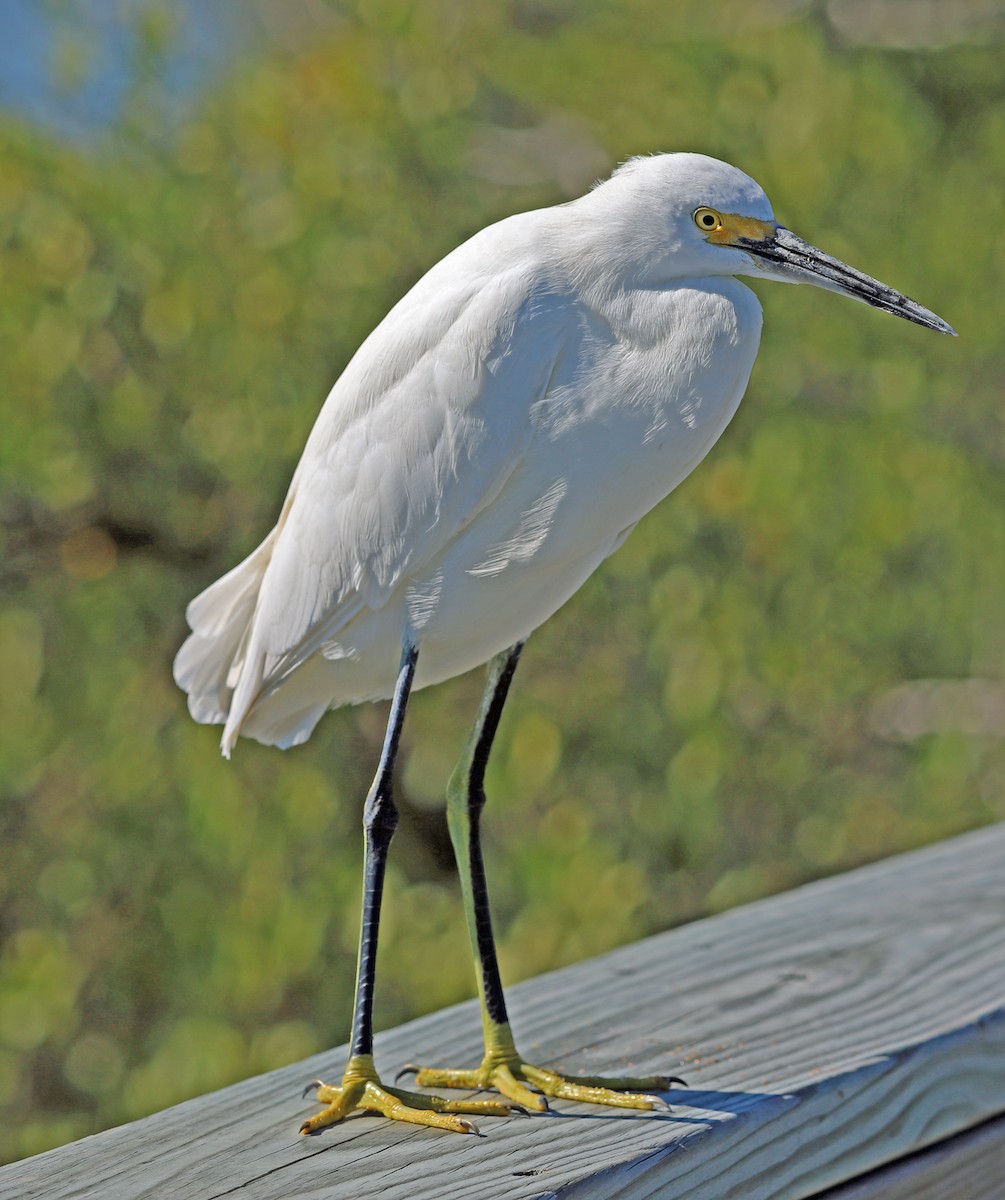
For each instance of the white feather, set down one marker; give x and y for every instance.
(489, 444)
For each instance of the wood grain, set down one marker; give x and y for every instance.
(970, 1166)
(823, 1033)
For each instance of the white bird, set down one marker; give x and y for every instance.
(496, 437)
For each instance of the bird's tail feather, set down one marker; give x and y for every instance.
(209, 663)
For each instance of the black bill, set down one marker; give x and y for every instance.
(786, 256)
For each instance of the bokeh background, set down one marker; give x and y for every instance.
(794, 665)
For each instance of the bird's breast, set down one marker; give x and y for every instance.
(636, 399)
(654, 381)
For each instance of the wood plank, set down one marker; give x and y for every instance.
(823, 1033)
(969, 1166)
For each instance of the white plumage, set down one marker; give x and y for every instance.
(495, 438)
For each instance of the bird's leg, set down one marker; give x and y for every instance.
(361, 1087)
(503, 1068)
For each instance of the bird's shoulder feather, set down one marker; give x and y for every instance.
(418, 435)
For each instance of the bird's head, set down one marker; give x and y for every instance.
(715, 220)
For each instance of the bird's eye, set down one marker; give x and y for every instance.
(707, 219)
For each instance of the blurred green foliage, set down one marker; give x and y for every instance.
(697, 728)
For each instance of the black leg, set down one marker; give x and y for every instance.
(503, 1068)
(465, 802)
(361, 1087)
(380, 818)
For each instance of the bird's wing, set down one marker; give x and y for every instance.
(419, 434)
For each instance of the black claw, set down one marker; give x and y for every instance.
(664, 1081)
(314, 1083)
(407, 1069)
(518, 1110)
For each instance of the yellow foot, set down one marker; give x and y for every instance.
(361, 1088)
(505, 1071)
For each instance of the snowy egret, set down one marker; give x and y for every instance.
(495, 438)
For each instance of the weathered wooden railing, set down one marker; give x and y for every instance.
(847, 1035)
